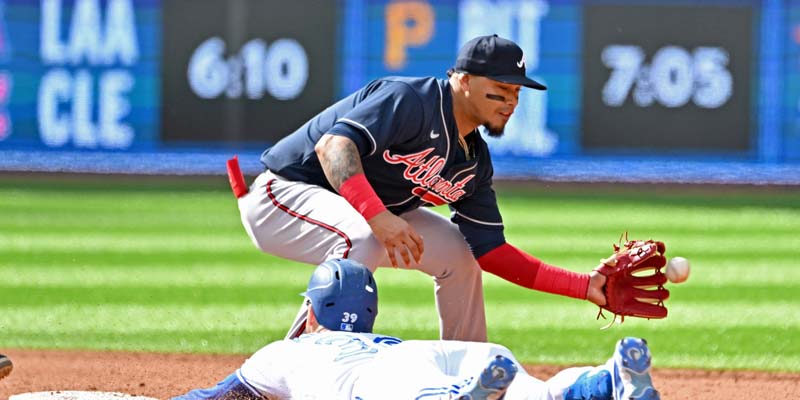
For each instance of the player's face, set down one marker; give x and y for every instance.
(498, 101)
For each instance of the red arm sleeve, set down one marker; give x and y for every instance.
(360, 194)
(516, 266)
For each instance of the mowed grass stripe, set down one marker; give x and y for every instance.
(110, 318)
(98, 258)
(239, 239)
(147, 295)
(134, 199)
(228, 341)
(112, 224)
(397, 310)
(124, 242)
(154, 275)
(151, 283)
(667, 220)
(708, 348)
(114, 215)
(533, 237)
(682, 315)
(58, 259)
(231, 340)
(172, 317)
(243, 292)
(705, 274)
(696, 224)
(780, 250)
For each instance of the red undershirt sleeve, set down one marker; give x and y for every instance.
(360, 194)
(516, 266)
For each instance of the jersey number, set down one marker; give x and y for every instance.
(349, 317)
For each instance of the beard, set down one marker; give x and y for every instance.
(494, 131)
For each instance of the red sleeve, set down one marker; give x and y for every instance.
(360, 194)
(516, 266)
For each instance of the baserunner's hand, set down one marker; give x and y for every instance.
(397, 235)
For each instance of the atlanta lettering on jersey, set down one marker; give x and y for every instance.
(425, 172)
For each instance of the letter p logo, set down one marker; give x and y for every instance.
(408, 23)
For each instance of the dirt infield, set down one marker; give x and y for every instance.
(165, 375)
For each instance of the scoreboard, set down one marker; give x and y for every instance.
(701, 79)
(79, 74)
(667, 77)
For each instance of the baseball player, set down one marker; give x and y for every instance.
(352, 183)
(341, 359)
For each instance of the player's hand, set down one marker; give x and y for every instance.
(595, 291)
(396, 234)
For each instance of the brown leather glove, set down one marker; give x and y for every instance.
(635, 283)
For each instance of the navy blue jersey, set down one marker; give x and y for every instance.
(407, 137)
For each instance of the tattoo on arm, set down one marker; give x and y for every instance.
(339, 158)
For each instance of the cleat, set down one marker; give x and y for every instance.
(630, 367)
(5, 366)
(592, 385)
(493, 381)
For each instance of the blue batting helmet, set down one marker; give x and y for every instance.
(344, 296)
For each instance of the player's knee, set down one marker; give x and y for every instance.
(464, 269)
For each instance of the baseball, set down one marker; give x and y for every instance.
(677, 269)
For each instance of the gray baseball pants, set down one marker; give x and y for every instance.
(310, 224)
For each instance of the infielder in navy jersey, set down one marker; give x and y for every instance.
(350, 183)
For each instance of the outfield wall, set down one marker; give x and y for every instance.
(646, 90)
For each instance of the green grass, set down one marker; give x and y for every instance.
(166, 266)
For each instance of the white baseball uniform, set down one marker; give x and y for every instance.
(343, 365)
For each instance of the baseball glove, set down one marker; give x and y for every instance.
(634, 281)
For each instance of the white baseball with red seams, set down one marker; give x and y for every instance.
(677, 269)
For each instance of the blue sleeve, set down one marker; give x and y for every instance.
(391, 112)
(478, 218)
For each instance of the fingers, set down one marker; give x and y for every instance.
(404, 252)
(409, 243)
(392, 258)
(419, 245)
(392, 251)
(397, 236)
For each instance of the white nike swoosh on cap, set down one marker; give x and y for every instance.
(434, 135)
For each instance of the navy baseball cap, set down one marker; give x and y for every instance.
(495, 58)
(344, 296)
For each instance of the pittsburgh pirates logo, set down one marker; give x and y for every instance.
(425, 172)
